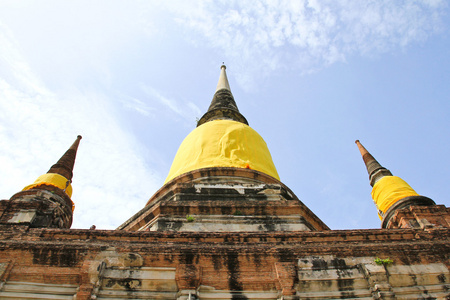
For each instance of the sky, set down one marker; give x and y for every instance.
(311, 77)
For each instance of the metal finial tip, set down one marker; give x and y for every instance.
(357, 141)
(223, 66)
(79, 137)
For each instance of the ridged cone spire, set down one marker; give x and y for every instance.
(65, 164)
(375, 170)
(223, 106)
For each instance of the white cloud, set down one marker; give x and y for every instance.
(266, 33)
(187, 111)
(111, 178)
(67, 43)
(137, 106)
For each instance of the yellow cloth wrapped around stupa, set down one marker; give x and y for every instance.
(53, 179)
(388, 190)
(223, 143)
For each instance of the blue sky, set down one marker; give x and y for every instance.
(132, 77)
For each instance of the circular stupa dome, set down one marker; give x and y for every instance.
(222, 143)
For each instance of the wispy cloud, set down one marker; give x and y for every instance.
(137, 106)
(187, 110)
(309, 34)
(14, 66)
(38, 125)
(171, 104)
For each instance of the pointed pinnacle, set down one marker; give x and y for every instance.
(223, 106)
(65, 164)
(375, 170)
(223, 80)
(367, 157)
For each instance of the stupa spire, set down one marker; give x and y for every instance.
(48, 200)
(65, 164)
(60, 174)
(390, 193)
(223, 106)
(375, 170)
(223, 80)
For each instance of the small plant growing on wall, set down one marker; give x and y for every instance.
(190, 218)
(383, 261)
